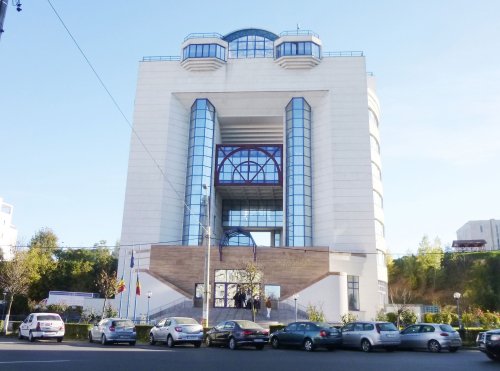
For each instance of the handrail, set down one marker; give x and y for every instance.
(158, 58)
(168, 305)
(299, 33)
(203, 36)
(343, 54)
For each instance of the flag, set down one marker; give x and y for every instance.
(132, 260)
(138, 287)
(121, 286)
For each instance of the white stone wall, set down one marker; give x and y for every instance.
(343, 183)
(8, 232)
(488, 230)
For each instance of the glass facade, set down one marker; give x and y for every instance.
(204, 51)
(199, 170)
(298, 173)
(252, 213)
(298, 48)
(251, 46)
(249, 165)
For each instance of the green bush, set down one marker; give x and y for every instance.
(76, 331)
(391, 317)
(143, 332)
(428, 317)
(315, 314)
(408, 317)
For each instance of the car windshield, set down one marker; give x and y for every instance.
(386, 327)
(186, 321)
(446, 328)
(48, 317)
(248, 324)
(123, 323)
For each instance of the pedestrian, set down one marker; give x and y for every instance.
(268, 306)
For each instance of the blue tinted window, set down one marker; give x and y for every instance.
(204, 51)
(298, 48)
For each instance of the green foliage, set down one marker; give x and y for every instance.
(441, 317)
(392, 317)
(347, 318)
(110, 311)
(428, 317)
(315, 314)
(408, 317)
(381, 316)
(76, 331)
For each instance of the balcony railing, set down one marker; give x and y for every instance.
(158, 58)
(343, 54)
(210, 35)
(299, 33)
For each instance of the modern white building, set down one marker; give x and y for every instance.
(8, 232)
(278, 142)
(487, 230)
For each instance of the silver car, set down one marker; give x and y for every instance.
(177, 330)
(431, 336)
(369, 335)
(113, 330)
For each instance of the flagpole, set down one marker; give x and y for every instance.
(138, 284)
(121, 293)
(130, 279)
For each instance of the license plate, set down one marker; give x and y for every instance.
(390, 336)
(191, 337)
(258, 340)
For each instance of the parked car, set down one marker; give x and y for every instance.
(113, 330)
(489, 343)
(236, 333)
(431, 336)
(177, 330)
(42, 326)
(308, 335)
(369, 335)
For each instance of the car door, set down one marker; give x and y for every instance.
(348, 335)
(297, 336)
(357, 333)
(227, 330)
(427, 333)
(25, 326)
(165, 329)
(287, 334)
(157, 330)
(215, 332)
(409, 336)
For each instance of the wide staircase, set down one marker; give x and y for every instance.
(284, 314)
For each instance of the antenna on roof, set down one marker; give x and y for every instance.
(298, 28)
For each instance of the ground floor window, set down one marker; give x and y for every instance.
(382, 293)
(272, 291)
(353, 292)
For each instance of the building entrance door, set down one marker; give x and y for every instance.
(224, 294)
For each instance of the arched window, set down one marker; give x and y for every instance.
(251, 43)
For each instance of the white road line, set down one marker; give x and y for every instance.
(53, 361)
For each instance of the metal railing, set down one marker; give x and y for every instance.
(342, 54)
(158, 58)
(158, 311)
(299, 33)
(213, 35)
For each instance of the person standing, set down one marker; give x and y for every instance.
(268, 307)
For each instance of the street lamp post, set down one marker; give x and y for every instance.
(206, 288)
(295, 298)
(149, 297)
(457, 297)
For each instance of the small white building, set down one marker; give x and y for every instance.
(8, 232)
(488, 230)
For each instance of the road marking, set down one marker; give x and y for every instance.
(53, 361)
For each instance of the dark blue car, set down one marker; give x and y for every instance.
(307, 335)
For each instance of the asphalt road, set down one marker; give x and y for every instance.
(79, 356)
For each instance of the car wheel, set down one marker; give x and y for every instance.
(152, 340)
(232, 344)
(31, 337)
(492, 356)
(434, 346)
(259, 346)
(132, 343)
(365, 345)
(103, 340)
(59, 340)
(90, 337)
(308, 345)
(453, 349)
(197, 344)
(170, 341)
(275, 343)
(208, 341)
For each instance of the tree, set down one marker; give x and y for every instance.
(106, 284)
(400, 299)
(250, 279)
(15, 279)
(430, 258)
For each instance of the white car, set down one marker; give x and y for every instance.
(42, 326)
(177, 330)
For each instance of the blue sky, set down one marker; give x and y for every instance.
(64, 146)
